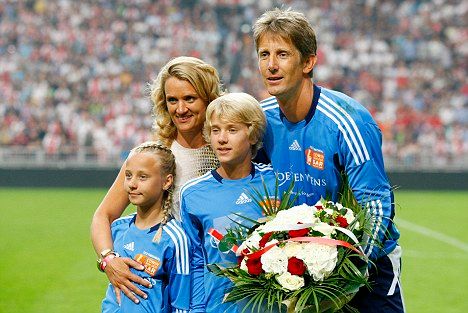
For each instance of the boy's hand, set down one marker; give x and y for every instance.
(118, 272)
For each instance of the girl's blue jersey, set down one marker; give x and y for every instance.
(167, 267)
(338, 134)
(209, 206)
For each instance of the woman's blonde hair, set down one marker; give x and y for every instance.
(167, 166)
(238, 107)
(202, 76)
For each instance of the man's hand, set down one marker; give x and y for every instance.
(118, 272)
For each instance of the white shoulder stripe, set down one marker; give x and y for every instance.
(349, 124)
(263, 167)
(177, 248)
(193, 182)
(126, 217)
(268, 101)
(123, 220)
(353, 123)
(376, 214)
(345, 134)
(273, 106)
(183, 239)
(180, 242)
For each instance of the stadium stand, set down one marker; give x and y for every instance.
(74, 74)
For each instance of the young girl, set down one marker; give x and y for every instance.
(151, 236)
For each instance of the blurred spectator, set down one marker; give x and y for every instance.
(73, 75)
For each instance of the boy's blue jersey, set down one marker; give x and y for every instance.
(338, 134)
(209, 205)
(167, 266)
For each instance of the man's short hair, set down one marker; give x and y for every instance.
(290, 25)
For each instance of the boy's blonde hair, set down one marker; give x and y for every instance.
(238, 107)
(292, 26)
(167, 166)
(202, 76)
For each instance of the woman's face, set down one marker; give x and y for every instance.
(186, 108)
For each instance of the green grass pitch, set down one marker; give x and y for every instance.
(47, 263)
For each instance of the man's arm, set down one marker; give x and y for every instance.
(370, 184)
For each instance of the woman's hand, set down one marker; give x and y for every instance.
(118, 272)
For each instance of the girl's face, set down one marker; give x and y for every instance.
(144, 182)
(186, 108)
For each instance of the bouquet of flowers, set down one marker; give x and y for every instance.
(307, 258)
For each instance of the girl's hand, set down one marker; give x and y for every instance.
(118, 272)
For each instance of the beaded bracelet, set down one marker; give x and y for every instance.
(102, 263)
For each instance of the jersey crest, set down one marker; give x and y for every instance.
(315, 158)
(151, 265)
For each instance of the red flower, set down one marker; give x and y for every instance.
(265, 239)
(299, 232)
(342, 221)
(319, 207)
(254, 266)
(242, 256)
(296, 266)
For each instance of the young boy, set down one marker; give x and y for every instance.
(234, 126)
(151, 236)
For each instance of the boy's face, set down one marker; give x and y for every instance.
(280, 65)
(230, 142)
(144, 182)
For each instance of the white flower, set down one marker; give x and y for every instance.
(328, 211)
(325, 229)
(251, 242)
(349, 216)
(243, 265)
(277, 224)
(274, 261)
(292, 249)
(271, 242)
(290, 282)
(320, 202)
(298, 214)
(319, 259)
(286, 219)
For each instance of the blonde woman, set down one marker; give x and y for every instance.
(180, 94)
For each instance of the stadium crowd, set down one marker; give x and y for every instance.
(74, 74)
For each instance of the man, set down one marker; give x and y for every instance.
(314, 134)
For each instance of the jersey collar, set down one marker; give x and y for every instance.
(220, 179)
(313, 107)
(152, 228)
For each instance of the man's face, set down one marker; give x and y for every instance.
(281, 66)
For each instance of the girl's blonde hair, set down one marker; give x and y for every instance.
(238, 107)
(202, 76)
(167, 166)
